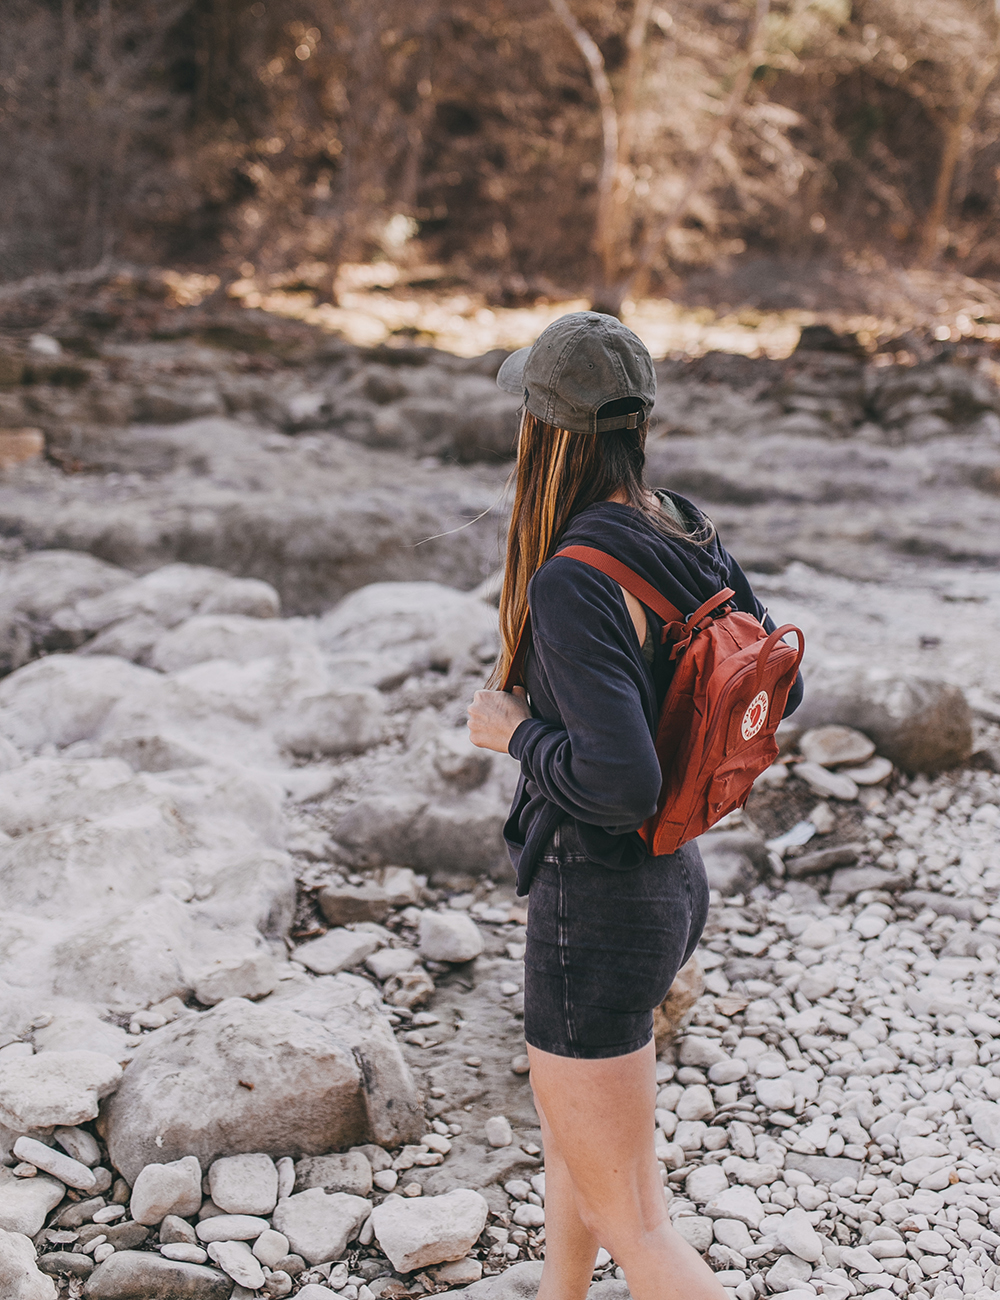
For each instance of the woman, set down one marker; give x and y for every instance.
(608, 925)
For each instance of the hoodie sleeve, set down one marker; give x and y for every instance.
(597, 761)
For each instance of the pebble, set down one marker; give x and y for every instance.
(775, 1094)
(245, 1184)
(696, 1230)
(796, 1233)
(65, 1168)
(337, 950)
(431, 1229)
(236, 1259)
(729, 1070)
(79, 1145)
(184, 1251)
(831, 746)
(527, 1215)
(173, 1188)
(873, 773)
(231, 1227)
(286, 1176)
(174, 1229)
(319, 1225)
(386, 1179)
(705, 1182)
(695, 1103)
(833, 785)
(449, 936)
(270, 1247)
(108, 1214)
(498, 1131)
(520, 1064)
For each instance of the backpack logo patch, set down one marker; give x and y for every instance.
(755, 716)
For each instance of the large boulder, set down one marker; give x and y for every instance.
(922, 724)
(34, 587)
(168, 595)
(434, 836)
(235, 637)
(427, 624)
(64, 698)
(245, 1077)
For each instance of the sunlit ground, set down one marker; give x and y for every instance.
(377, 304)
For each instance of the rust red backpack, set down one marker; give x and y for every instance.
(721, 710)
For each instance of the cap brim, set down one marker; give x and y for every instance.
(510, 376)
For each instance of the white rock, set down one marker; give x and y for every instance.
(869, 924)
(833, 745)
(391, 961)
(313, 1291)
(797, 1234)
(736, 1203)
(696, 1230)
(20, 1279)
(701, 1052)
(860, 1259)
(55, 1088)
(429, 1229)
(231, 1227)
(833, 785)
(67, 1170)
(236, 1259)
(498, 1131)
(873, 773)
(184, 1251)
(728, 1071)
(319, 1226)
(173, 1188)
(528, 1215)
(733, 1233)
(696, 1102)
(705, 1182)
(24, 1202)
(338, 950)
(286, 1176)
(460, 1272)
(246, 1184)
(986, 1123)
(775, 1094)
(386, 1179)
(449, 936)
(270, 1247)
(79, 1145)
(787, 1272)
(400, 885)
(250, 976)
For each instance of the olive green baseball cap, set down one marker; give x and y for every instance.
(578, 364)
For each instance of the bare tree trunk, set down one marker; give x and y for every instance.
(930, 235)
(604, 242)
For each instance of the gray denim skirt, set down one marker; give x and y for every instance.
(604, 946)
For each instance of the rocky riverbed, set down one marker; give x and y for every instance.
(260, 957)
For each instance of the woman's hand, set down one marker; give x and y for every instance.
(494, 716)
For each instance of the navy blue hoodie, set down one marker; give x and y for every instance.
(587, 754)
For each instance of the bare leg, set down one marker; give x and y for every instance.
(570, 1246)
(599, 1113)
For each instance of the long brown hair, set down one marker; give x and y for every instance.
(558, 474)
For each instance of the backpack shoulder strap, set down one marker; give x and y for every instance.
(618, 572)
(627, 578)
